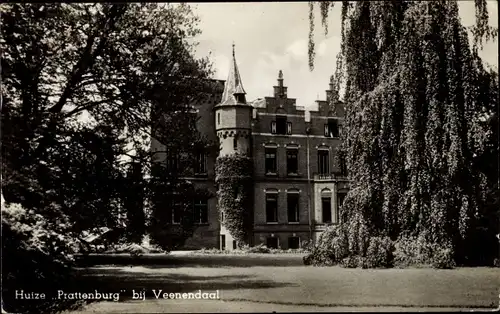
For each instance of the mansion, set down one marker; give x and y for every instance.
(299, 181)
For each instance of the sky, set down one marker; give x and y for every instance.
(273, 36)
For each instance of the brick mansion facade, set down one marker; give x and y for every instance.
(299, 181)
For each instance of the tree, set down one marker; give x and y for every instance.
(133, 201)
(80, 82)
(415, 95)
(83, 87)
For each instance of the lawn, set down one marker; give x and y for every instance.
(257, 284)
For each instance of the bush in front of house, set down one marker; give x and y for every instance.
(332, 247)
(133, 249)
(246, 249)
(261, 248)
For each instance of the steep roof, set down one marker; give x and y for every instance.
(234, 93)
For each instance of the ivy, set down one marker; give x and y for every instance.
(234, 180)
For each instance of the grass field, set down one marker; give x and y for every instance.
(260, 285)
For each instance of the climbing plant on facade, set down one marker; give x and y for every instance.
(234, 179)
(412, 125)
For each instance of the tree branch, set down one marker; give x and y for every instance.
(89, 105)
(87, 59)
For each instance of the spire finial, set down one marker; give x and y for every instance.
(280, 75)
(331, 79)
(233, 49)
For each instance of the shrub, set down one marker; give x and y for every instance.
(496, 262)
(379, 253)
(37, 253)
(416, 251)
(443, 257)
(257, 249)
(331, 248)
(134, 249)
(209, 251)
(351, 262)
(411, 251)
(318, 257)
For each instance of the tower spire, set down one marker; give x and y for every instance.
(234, 93)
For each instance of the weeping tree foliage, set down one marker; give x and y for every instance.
(416, 95)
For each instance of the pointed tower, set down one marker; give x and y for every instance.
(233, 116)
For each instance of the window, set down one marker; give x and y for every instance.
(240, 98)
(271, 207)
(281, 125)
(172, 160)
(218, 118)
(222, 242)
(221, 216)
(323, 161)
(164, 201)
(332, 128)
(326, 207)
(235, 143)
(272, 243)
(200, 211)
(177, 213)
(200, 166)
(270, 160)
(293, 243)
(292, 161)
(293, 207)
(234, 245)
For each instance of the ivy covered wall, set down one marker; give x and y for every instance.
(234, 181)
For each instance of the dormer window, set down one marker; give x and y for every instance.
(281, 126)
(332, 128)
(239, 98)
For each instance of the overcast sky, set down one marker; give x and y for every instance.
(272, 36)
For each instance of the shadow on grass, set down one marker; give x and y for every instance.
(122, 279)
(126, 280)
(119, 283)
(175, 261)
